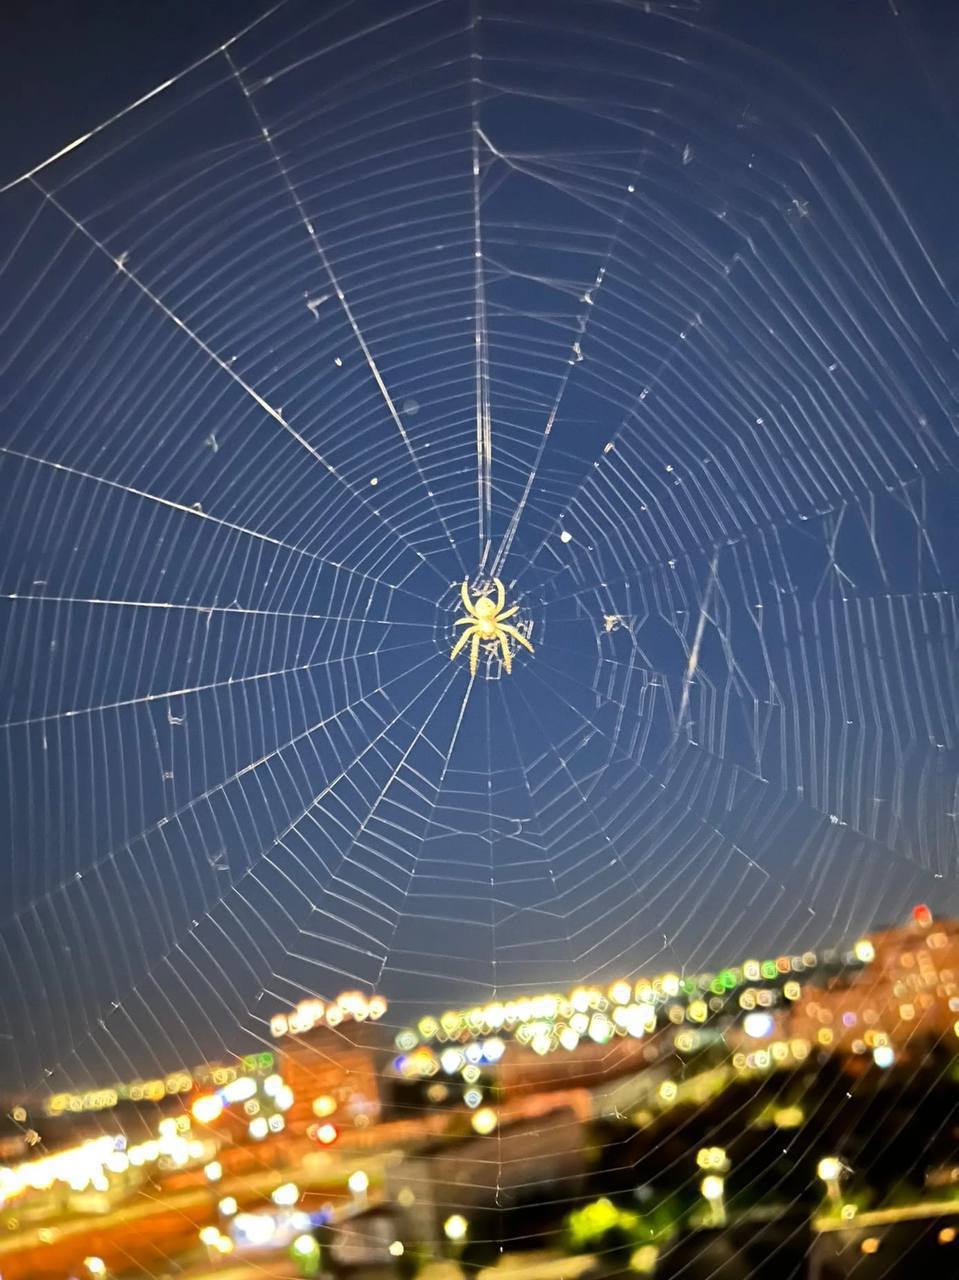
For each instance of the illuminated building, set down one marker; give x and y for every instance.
(905, 998)
(330, 1056)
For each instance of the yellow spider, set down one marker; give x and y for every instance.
(486, 620)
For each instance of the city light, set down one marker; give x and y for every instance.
(286, 1195)
(396, 1249)
(257, 1229)
(358, 1182)
(209, 1235)
(305, 1246)
(758, 1025)
(95, 1266)
(712, 1158)
(214, 1171)
(485, 1121)
(455, 1227)
(228, 1206)
(713, 1187)
(829, 1170)
(207, 1108)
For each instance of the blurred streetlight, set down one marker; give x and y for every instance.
(829, 1170)
(207, 1108)
(358, 1183)
(306, 1253)
(95, 1267)
(484, 1121)
(712, 1158)
(455, 1228)
(713, 1187)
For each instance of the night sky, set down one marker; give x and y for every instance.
(691, 270)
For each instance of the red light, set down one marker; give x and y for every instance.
(922, 915)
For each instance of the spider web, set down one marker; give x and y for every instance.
(370, 302)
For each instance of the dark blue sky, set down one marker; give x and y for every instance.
(716, 328)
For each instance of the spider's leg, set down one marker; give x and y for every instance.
(474, 653)
(507, 656)
(511, 631)
(467, 602)
(508, 614)
(500, 594)
(464, 622)
(461, 643)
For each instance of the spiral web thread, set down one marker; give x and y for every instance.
(368, 303)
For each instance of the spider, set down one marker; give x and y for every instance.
(486, 620)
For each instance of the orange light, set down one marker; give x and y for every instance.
(870, 1245)
(922, 915)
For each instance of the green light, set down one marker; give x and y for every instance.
(305, 1246)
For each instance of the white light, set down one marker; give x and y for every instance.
(287, 1194)
(884, 1055)
(712, 1187)
(258, 1228)
(304, 1246)
(358, 1182)
(829, 1168)
(95, 1266)
(214, 1171)
(238, 1090)
(566, 536)
(272, 1085)
(228, 1206)
(209, 1235)
(258, 1128)
(455, 1227)
(484, 1121)
(207, 1109)
(758, 1025)
(451, 1060)
(396, 1249)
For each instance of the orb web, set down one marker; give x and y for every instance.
(365, 305)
